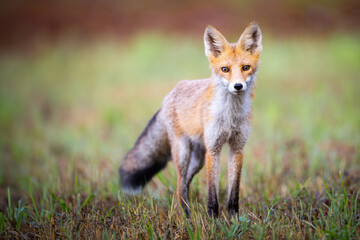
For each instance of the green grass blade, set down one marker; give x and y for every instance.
(33, 202)
(87, 200)
(2, 222)
(61, 203)
(10, 210)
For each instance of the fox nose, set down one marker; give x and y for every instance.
(238, 86)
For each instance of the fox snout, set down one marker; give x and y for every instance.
(237, 87)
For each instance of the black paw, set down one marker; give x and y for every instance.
(213, 210)
(233, 208)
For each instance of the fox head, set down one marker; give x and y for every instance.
(234, 64)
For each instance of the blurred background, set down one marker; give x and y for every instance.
(80, 79)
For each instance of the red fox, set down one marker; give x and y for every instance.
(197, 118)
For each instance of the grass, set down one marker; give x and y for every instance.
(69, 111)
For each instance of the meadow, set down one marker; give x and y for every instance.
(70, 110)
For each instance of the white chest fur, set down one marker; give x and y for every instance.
(229, 113)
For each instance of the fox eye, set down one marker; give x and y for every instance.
(225, 69)
(246, 68)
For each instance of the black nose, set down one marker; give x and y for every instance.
(238, 86)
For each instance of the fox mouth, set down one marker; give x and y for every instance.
(237, 92)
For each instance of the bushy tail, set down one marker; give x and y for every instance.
(149, 155)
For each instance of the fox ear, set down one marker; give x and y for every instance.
(251, 39)
(214, 41)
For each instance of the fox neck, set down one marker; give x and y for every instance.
(230, 109)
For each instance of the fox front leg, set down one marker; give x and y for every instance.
(212, 182)
(214, 141)
(235, 163)
(234, 174)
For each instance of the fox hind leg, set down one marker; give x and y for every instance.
(197, 161)
(181, 152)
